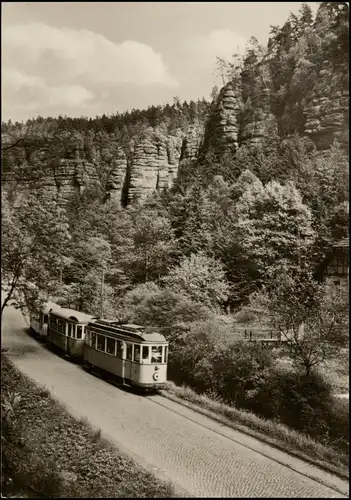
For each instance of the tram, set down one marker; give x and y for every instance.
(67, 329)
(39, 321)
(129, 353)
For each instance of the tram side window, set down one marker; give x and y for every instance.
(110, 345)
(145, 357)
(93, 340)
(156, 354)
(46, 319)
(60, 326)
(69, 330)
(100, 345)
(119, 349)
(79, 332)
(137, 353)
(130, 351)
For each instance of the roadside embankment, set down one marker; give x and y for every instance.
(49, 453)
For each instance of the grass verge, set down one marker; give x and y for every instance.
(270, 432)
(48, 453)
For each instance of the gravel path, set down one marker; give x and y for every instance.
(201, 457)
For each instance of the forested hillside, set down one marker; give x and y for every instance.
(198, 177)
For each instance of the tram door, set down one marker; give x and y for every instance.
(128, 361)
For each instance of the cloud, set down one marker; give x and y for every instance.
(72, 54)
(218, 43)
(31, 92)
(69, 71)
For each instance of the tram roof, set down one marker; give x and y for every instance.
(72, 315)
(49, 306)
(129, 331)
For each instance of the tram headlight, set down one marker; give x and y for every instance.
(156, 375)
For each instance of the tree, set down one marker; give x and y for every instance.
(151, 305)
(34, 236)
(201, 278)
(274, 226)
(86, 274)
(309, 317)
(153, 244)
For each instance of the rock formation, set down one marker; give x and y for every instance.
(154, 164)
(327, 114)
(118, 177)
(257, 122)
(222, 128)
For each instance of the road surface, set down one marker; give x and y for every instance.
(201, 457)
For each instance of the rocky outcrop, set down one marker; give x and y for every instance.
(326, 111)
(174, 148)
(73, 176)
(192, 143)
(257, 121)
(65, 178)
(118, 177)
(222, 128)
(154, 164)
(327, 119)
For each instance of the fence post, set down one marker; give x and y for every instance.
(246, 334)
(250, 335)
(271, 334)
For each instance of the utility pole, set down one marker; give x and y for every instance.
(102, 292)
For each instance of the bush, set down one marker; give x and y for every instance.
(239, 370)
(206, 359)
(151, 305)
(338, 424)
(191, 353)
(304, 403)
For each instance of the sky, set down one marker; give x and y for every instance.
(90, 58)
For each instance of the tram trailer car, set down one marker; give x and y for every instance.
(67, 329)
(127, 352)
(39, 321)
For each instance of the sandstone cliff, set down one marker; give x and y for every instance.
(222, 128)
(327, 110)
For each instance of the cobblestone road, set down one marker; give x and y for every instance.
(190, 450)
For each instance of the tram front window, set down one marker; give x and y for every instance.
(145, 357)
(156, 354)
(137, 353)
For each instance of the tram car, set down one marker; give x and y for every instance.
(129, 353)
(39, 321)
(67, 329)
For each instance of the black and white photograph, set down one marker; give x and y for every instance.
(174, 249)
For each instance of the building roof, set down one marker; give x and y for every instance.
(72, 315)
